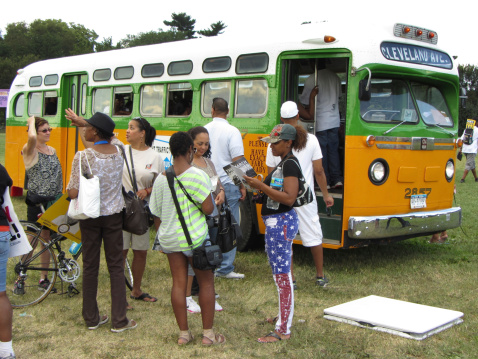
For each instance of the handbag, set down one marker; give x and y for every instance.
(229, 231)
(135, 214)
(305, 195)
(204, 257)
(459, 156)
(87, 204)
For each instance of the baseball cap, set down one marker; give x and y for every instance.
(288, 109)
(281, 132)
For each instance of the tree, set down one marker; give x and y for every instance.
(106, 45)
(183, 23)
(216, 29)
(469, 81)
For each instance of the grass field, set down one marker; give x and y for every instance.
(444, 276)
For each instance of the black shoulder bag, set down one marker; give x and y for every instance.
(229, 231)
(135, 214)
(204, 257)
(305, 195)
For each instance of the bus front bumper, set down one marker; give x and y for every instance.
(408, 224)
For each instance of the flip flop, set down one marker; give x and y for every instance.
(272, 320)
(143, 297)
(270, 335)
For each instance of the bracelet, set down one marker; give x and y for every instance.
(221, 189)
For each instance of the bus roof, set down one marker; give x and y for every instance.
(363, 44)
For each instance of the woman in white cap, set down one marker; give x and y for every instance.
(106, 162)
(281, 220)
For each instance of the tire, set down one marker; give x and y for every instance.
(30, 266)
(128, 274)
(246, 219)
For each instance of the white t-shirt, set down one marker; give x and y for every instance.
(310, 153)
(147, 165)
(327, 114)
(226, 144)
(473, 148)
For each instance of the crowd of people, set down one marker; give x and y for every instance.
(199, 156)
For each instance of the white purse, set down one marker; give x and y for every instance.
(87, 204)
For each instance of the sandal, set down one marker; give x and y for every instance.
(271, 335)
(143, 297)
(212, 339)
(103, 320)
(131, 325)
(185, 337)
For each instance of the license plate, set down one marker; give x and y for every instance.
(418, 201)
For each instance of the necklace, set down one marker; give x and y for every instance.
(43, 150)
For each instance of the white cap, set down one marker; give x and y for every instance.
(288, 109)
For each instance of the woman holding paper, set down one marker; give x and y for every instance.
(6, 350)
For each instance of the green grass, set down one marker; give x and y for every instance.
(444, 276)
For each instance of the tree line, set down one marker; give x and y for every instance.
(23, 44)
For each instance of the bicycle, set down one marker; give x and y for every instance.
(24, 273)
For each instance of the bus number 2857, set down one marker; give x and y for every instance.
(411, 191)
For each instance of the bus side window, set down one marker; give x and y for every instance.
(211, 90)
(152, 100)
(251, 98)
(34, 103)
(102, 100)
(19, 105)
(50, 104)
(123, 101)
(180, 99)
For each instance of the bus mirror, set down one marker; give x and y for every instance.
(364, 90)
(463, 97)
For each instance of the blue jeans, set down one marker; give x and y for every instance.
(4, 252)
(329, 145)
(232, 194)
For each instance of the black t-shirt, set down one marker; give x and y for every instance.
(289, 169)
(5, 181)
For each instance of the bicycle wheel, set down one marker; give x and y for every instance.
(25, 272)
(128, 274)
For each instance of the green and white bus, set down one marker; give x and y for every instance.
(399, 113)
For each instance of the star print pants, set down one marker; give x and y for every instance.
(281, 229)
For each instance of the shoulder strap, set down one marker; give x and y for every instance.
(186, 192)
(133, 183)
(170, 175)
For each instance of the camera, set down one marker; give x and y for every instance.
(258, 198)
(212, 221)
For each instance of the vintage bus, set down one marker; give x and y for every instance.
(399, 113)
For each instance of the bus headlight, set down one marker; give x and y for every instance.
(449, 170)
(378, 171)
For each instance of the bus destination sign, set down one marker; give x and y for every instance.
(415, 54)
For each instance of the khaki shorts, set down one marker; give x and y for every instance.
(470, 161)
(135, 242)
(309, 225)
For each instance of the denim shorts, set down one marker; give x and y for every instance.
(4, 252)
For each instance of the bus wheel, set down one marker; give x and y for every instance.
(246, 222)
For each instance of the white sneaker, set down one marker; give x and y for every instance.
(230, 275)
(192, 306)
(217, 307)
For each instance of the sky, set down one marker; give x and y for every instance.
(121, 17)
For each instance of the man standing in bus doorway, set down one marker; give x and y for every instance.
(310, 160)
(226, 147)
(470, 148)
(327, 118)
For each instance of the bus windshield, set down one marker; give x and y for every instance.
(432, 105)
(390, 101)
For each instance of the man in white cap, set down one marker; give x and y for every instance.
(310, 159)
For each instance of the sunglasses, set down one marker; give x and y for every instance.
(46, 130)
